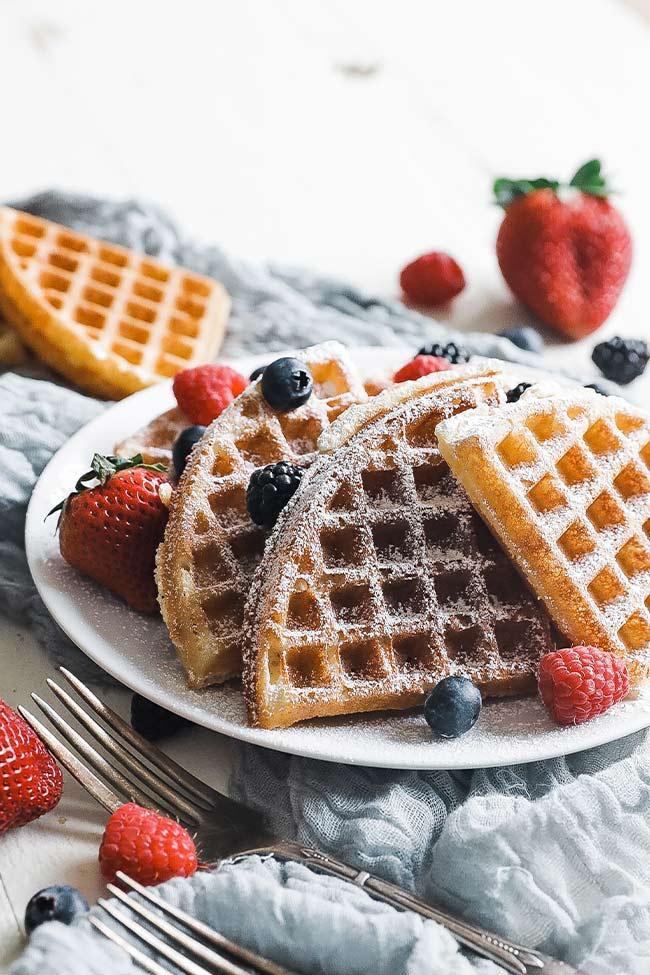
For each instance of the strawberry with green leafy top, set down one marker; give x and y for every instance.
(110, 530)
(564, 250)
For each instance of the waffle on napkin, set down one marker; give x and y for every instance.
(380, 579)
(562, 477)
(109, 320)
(211, 547)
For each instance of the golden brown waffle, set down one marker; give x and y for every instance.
(562, 478)
(155, 440)
(109, 320)
(211, 547)
(12, 350)
(380, 579)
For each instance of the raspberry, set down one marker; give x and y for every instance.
(269, 491)
(422, 365)
(579, 683)
(432, 279)
(147, 846)
(205, 391)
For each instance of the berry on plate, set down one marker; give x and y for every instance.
(146, 846)
(565, 252)
(432, 279)
(454, 353)
(205, 391)
(579, 683)
(269, 491)
(422, 365)
(110, 530)
(153, 722)
(256, 373)
(183, 445)
(30, 780)
(621, 360)
(514, 395)
(525, 337)
(61, 902)
(287, 384)
(452, 707)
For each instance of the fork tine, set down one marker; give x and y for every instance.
(138, 956)
(198, 927)
(181, 806)
(87, 779)
(166, 765)
(97, 761)
(171, 954)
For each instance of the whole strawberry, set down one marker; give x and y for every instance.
(565, 252)
(30, 780)
(110, 530)
(146, 846)
(578, 683)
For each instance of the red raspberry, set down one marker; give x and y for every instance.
(581, 682)
(147, 846)
(205, 391)
(30, 780)
(422, 365)
(432, 279)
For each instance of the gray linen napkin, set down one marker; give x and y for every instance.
(554, 853)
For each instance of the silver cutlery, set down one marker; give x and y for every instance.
(137, 771)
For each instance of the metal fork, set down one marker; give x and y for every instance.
(226, 830)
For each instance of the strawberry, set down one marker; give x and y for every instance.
(110, 530)
(578, 683)
(204, 392)
(30, 780)
(146, 846)
(564, 252)
(421, 365)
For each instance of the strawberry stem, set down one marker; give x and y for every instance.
(588, 179)
(103, 467)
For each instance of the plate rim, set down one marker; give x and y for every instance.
(578, 740)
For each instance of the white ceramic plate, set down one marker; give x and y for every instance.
(136, 650)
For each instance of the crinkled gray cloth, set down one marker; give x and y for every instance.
(554, 854)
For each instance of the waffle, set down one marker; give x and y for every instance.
(380, 579)
(12, 350)
(155, 440)
(211, 547)
(562, 478)
(109, 320)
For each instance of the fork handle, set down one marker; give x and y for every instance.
(512, 957)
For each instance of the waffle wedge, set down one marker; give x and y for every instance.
(562, 478)
(155, 440)
(211, 547)
(380, 579)
(110, 320)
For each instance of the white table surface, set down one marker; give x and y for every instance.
(349, 136)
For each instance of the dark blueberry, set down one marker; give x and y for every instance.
(452, 707)
(517, 392)
(183, 446)
(525, 337)
(269, 490)
(286, 384)
(598, 388)
(153, 722)
(256, 373)
(452, 351)
(621, 360)
(58, 903)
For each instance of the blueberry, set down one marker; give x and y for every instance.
(58, 903)
(256, 373)
(452, 707)
(183, 445)
(515, 394)
(525, 337)
(152, 721)
(286, 384)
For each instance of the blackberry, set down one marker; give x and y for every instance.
(183, 445)
(598, 388)
(58, 903)
(525, 337)
(286, 384)
(515, 394)
(621, 360)
(452, 707)
(153, 722)
(269, 490)
(451, 351)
